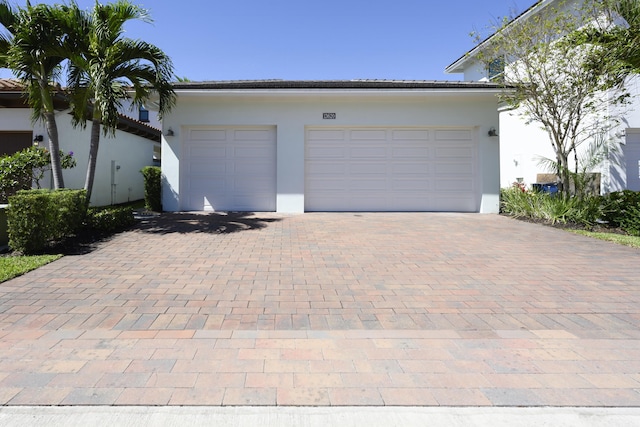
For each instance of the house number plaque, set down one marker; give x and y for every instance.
(329, 116)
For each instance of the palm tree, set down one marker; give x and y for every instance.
(33, 48)
(107, 66)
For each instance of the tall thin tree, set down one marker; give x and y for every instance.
(33, 48)
(109, 68)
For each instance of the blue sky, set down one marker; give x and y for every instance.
(308, 40)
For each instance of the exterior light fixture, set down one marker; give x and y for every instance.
(493, 132)
(169, 132)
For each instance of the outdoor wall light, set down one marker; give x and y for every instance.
(492, 132)
(169, 132)
(38, 138)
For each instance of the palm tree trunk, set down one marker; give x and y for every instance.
(54, 149)
(93, 155)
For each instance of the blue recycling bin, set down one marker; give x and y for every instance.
(549, 188)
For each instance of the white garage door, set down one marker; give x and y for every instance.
(391, 169)
(230, 169)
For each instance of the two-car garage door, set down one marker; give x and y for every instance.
(390, 169)
(346, 169)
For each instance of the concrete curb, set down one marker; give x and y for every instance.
(97, 416)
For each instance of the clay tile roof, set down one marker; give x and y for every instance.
(10, 85)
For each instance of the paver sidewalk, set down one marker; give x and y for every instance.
(328, 309)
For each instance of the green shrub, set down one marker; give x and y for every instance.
(37, 217)
(19, 171)
(111, 219)
(520, 203)
(622, 209)
(152, 188)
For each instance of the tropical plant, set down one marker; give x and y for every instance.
(547, 82)
(33, 47)
(106, 66)
(582, 179)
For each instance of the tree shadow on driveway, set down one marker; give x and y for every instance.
(210, 222)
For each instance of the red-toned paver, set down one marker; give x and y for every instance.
(328, 309)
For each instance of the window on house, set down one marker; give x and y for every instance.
(495, 70)
(143, 114)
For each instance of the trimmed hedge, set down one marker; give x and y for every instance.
(111, 219)
(37, 217)
(152, 188)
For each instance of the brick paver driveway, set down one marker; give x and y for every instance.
(328, 309)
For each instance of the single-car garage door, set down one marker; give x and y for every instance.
(391, 169)
(229, 169)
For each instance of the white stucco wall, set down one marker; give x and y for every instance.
(523, 144)
(130, 152)
(15, 119)
(292, 113)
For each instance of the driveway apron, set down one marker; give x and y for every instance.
(327, 309)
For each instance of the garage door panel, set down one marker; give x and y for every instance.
(421, 135)
(416, 152)
(199, 151)
(252, 135)
(369, 184)
(249, 185)
(325, 186)
(208, 135)
(326, 168)
(450, 203)
(233, 169)
(410, 168)
(361, 168)
(254, 169)
(423, 204)
(454, 185)
(455, 168)
(451, 135)
(325, 134)
(326, 152)
(391, 169)
(368, 135)
(251, 151)
(455, 152)
(411, 184)
(365, 152)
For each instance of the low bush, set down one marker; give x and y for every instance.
(37, 217)
(110, 219)
(622, 209)
(520, 203)
(152, 188)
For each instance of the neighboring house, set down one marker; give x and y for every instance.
(358, 145)
(118, 178)
(522, 145)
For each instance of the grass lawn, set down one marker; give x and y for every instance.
(13, 266)
(621, 239)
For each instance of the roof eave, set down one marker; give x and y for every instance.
(459, 65)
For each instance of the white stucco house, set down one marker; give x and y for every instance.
(522, 144)
(118, 178)
(358, 145)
